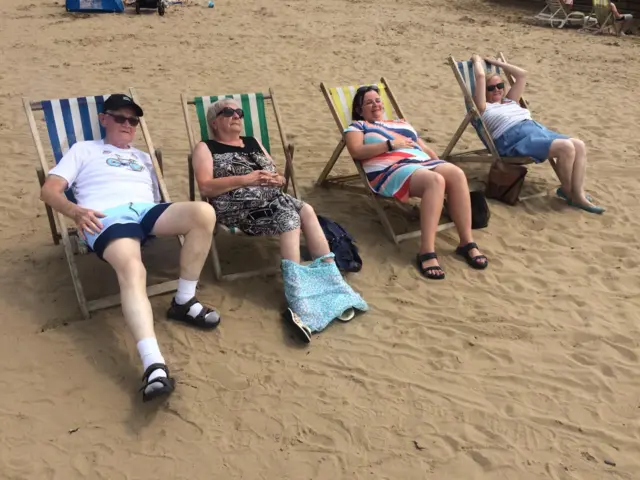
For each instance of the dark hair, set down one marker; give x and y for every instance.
(358, 100)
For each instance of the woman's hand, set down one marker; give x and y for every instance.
(402, 142)
(261, 178)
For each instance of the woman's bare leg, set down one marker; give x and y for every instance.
(564, 151)
(290, 245)
(316, 240)
(429, 187)
(579, 173)
(459, 202)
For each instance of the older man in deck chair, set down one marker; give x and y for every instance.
(115, 186)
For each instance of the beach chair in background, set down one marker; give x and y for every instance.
(603, 19)
(557, 14)
(69, 121)
(254, 124)
(463, 72)
(339, 100)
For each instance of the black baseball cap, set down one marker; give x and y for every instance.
(120, 100)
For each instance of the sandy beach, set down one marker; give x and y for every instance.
(528, 370)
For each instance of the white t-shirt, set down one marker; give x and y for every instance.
(102, 176)
(500, 117)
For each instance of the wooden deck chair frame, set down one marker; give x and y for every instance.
(602, 13)
(60, 231)
(344, 181)
(490, 153)
(289, 175)
(556, 14)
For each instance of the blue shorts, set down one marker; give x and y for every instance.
(131, 220)
(527, 139)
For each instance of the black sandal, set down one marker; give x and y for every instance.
(428, 272)
(181, 313)
(168, 383)
(475, 262)
(301, 330)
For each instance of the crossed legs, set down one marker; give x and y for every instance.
(571, 155)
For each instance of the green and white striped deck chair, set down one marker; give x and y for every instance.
(339, 100)
(68, 121)
(255, 124)
(463, 71)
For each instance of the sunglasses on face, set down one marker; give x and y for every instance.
(120, 119)
(368, 88)
(491, 88)
(228, 112)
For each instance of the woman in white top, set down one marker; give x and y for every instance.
(516, 134)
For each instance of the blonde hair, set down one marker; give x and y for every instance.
(216, 108)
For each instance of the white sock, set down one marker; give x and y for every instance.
(149, 354)
(186, 291)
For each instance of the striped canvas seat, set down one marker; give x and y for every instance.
(254, 122)
(342, 99)
(466, 71)
(72, 120)
(68, 121)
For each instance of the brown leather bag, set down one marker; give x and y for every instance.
(505, 182)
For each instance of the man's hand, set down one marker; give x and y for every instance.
(87, 221)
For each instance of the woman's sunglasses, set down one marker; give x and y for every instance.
(228, 112)
(491, 88)
(368, 88)
(120, 119)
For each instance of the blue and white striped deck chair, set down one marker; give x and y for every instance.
(68, 121)
(255, 124)
(463, 71)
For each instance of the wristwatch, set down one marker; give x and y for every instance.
(389, 145)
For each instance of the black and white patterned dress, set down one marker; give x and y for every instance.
(254, 210)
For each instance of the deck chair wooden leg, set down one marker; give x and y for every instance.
(332, 161)
(52, 221)
(192, 187)
(215, 259)
(456, 137)
(73, 269)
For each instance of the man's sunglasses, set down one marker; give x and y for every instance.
(120, 119)
(228, 112)
(491, 88)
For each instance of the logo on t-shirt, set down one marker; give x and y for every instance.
(130, 162)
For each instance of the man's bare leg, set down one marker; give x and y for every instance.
(123, 254)
(196, 221)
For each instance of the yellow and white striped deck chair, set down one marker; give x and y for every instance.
(601, 12)
(255, 124)
(339, 100)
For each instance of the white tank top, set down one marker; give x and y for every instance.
(500, 117)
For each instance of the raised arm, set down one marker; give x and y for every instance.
(519, 75)
(480, 93)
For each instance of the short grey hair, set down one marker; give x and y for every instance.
(216, 108)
